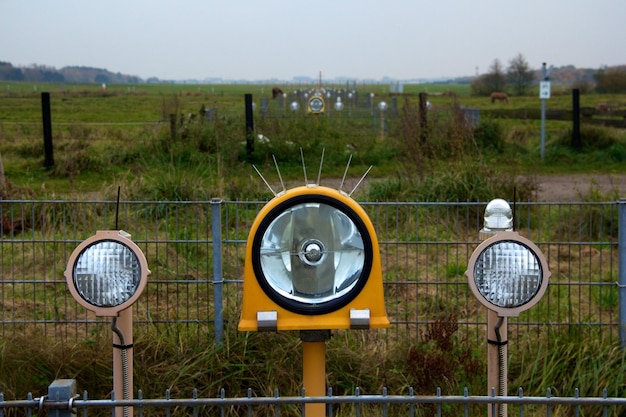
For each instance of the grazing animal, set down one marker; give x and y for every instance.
(276, 91)
(498, 96)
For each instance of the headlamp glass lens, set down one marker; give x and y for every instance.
(107, 273)
(312, 253)
(508, 274)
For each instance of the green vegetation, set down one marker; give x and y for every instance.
(122, 137)
(181, 361)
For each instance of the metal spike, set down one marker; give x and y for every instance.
(263, 178)
(279, 176)
(303, 166)
(361, 180)
(345, 173)
(319, 174)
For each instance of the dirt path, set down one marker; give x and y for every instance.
(575, 187)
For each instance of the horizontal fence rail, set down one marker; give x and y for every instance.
(61, 402)
(196, 252)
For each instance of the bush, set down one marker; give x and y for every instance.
(441, 356)
(489, 136)
(598, 143)
(470, 179)
(611, 81)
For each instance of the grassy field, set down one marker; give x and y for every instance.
(115, 136)
(122, 137)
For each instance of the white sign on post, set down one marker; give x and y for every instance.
(544, 90)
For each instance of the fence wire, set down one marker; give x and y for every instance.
(357, 405)
(424, 250)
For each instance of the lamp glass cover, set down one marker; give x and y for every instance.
(312, 253)
(508, 274)
(498, 215)
(107, 273)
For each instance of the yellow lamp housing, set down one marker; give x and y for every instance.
(316, 104)
(107, 273)
(312, 263)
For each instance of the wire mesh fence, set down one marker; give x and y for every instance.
(424, 249)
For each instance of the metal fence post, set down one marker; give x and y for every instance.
(47, 130)
(621, 268)
(62, 390)
(218, 279)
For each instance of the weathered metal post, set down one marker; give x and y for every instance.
(62, 390)
(621, 269)
(218, 279)
(123, 360)
(497, 352)
(47, 130)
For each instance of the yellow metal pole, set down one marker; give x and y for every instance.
(314, 375)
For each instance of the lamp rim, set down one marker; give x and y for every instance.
(508, 236)
(327, 306)
(104, 236)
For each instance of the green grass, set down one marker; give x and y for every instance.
(108, 140)
(167, 359)
(121, 145)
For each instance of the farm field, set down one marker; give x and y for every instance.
(102, 137)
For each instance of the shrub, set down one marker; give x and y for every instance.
(470, 179)
(597, 143)
(440, 356)
(489, 136)
(611, 81)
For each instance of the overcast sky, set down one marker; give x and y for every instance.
(256, 39)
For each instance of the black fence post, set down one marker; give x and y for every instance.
(173, 127)
(423, 116)
(576, 118)
(47, 130)
(249, 127)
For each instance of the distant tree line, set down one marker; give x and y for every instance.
(611, 80)
(72, 74)
(518, 78)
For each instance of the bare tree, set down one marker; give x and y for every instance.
(497, 79)
(494, 80)
(519, 75)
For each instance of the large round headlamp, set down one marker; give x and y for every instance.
(312, 263)
(508, 273)
(107, 273)
(316, 104)
(312, 254)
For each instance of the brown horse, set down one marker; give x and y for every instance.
(499, 97)
(276, 91)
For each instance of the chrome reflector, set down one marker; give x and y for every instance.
(312, 253)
